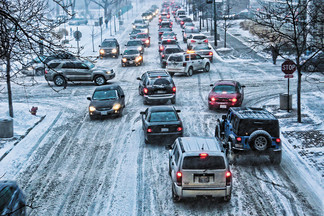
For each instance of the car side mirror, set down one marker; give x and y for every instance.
(243, 86)
(138, 78)
(122, 96)
(178, 111)
(89, 98)
(121, 54)
(223, 117)
(99, 45)
(211, 85)
(142, 113)
(172, 163)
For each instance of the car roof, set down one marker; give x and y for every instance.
(252, 113)
(107, 87)
(199, 144)
(226, 82)
(157, 73)
(161, 108)
(110, 39)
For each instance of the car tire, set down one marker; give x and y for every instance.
(99, 80)
(173, 100)
(311, 68)
(207, 67)
(260, 140)
(230, 155)
(190, 72)
(171, 74)
(275, 157)
(59, 80)
(227, 198)
(218, 132)
(92, 117)
(175, 197)
(146, 141)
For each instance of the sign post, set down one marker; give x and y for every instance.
(77, 35)
(288, 67)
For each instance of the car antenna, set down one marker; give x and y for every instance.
(202, 148)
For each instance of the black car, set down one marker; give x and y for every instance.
(135, 44)
(166, 52)
(12, 199)
(107, 100)
(184, 21)
(131, 57)
(162, 124)
(168, 35)
(162, 30)
(109, 47)
(165, 24)
(166, 42)
(157, 86)
(314, 64)
(133, 33)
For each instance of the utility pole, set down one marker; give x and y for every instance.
(215, 24)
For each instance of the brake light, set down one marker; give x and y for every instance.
(168, 16)
(210, 53)
(168, 40)
(145, 90)
(228, 176)
(278, 140)
(174, 89)
(203, 155)
(149, 130)
(170, 26)
(45, 72)
(179, 178)
(174, 37)
(184, 64)
(234, 100)
(206, 41)
(239, 139)
(147, 41)
(163, 56)
(161, 48)
(193, 41)
(179, 129)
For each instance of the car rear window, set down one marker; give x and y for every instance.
(161, 82)
(199, 37)
(190, 30)
(209, 162)
(134, 43)
(167, 116)
(226, 89)
(105, 95)
(175, 58)
(201, 47)
(169, 42)
(173, 50)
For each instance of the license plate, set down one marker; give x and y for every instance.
(104, 113)
(223, 106)
(164, 129)
(203, 179)
(160, 92)
(131, 62)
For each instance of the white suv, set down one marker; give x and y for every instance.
(187, 63)
(197, 39)
(198, 168)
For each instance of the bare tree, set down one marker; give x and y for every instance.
(107, 6)
(295, 26)
(24, 28)
(226, 17)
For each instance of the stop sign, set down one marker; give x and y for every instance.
(288, 67)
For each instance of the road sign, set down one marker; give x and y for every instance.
(289, 76)
(77, 35)
(288, 67)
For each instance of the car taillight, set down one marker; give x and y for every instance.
(228, 176)
(168, 16)
(147, 41)
(234, 100)
(163, 56)
(203, 155)
(170, 26)
(179, 178)
(149, 130)
(239, 139)
(278, 140)
(145, 90)
(179, 129)
(45, 72)
(174, 89)
(210, 53)
(193, 41)
(161, 48)
(182, 22)
(206, 41)
(174, 37)
(184, 64)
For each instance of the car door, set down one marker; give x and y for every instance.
(82, 71)
(174, 161)
(68, 70)
(200, 62)
(194, 62)
(144, 121)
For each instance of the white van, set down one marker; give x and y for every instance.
(180, 12)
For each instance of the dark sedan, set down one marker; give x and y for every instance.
(162, 124)
(12, 199)
(131, 57)
(162, 30)
(107, 100)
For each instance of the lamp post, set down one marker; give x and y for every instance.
(215, 19)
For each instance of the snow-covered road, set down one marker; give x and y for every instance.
(69, 165)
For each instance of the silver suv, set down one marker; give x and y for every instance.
(198, 168)
(187, 63)
(61, 71)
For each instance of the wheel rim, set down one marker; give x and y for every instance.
(190, 72)
(207, 67)
(59, 81)
(100, 80)
(311, 68)
(260, 143)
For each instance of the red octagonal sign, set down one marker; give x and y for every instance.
(288, 67)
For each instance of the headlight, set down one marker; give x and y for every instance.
(124, 60)
(138, 58)
(134, 26)
(102, 51)
(146, 31)
(116, 107)
(92, 108)
(108, 72)
(139, 48)
(147, 41)
(30, 68)
(114, 50)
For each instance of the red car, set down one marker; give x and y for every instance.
(225, 94)
(145, 38)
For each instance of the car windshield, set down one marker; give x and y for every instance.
(201, 47)
(89, 64)
(105, 95)
(6, 197)
(209, 162)
(175, 58)
(142, 36)
(131, 52)
(225, 89)
(167, 116)
(108, 44)
(134, 43)
(172, 50)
